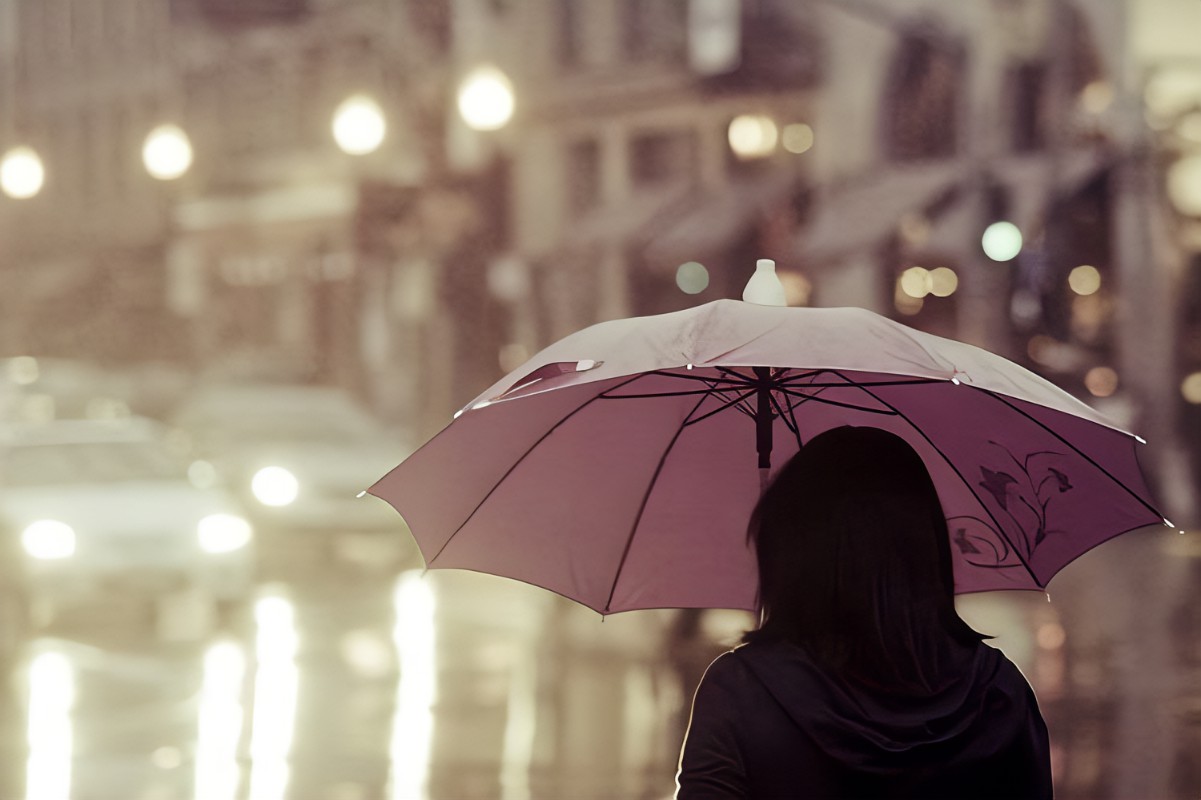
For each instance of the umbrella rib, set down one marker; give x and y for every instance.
(1077, 450)
(524, 455)
(908, 382)
(951, 464)
(851, 406)
(789, 419)
(708, 379)
(607, 396)
(719, 409)
(650, 486)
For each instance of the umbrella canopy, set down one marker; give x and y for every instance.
(620, 465)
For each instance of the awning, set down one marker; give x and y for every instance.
(619, 224)
(1035, 181)
(863, 212)
(716, 219)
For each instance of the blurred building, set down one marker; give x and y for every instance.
(347, 212)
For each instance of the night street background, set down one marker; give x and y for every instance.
(255, 252)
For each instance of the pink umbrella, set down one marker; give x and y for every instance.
(619, 466)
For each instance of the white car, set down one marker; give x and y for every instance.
(300, 457)
(94, 510)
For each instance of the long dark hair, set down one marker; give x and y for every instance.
(855, 562)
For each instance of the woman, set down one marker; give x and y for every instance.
(862, 680)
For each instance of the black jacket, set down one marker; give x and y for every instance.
(769, 722)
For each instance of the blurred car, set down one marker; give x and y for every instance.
(38, 389)
(97, 510)
(300, 456)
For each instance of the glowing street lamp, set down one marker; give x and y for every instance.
(486, 99)
(1184, 185)
(752, 136)
(1002, 241)
(21, 173)
(167, 152)
(359, 125)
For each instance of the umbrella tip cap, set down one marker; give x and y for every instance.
(764, 287)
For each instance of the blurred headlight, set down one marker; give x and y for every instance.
(274, 486)
(49, 539)
(223, 533)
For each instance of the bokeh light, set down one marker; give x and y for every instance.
(1101, 381)
(753, 136)
(167, 152)
(943, 281)
(22, 173)
(1190, 388)
(49, 540)
(1002, 241)
(1189, 127)
(1184, 185)
(798, 290)
(274, 486)
(1096, 97)
(359, 126)
(1084, 279)
(797, 138)
(916, 282)
(692, 277)
(486, 100)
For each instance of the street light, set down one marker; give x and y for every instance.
(21, 173)
(486, 100)
(359, 125)
(167, 152)
(1184, 185)
(1002, 241)
(752, 135)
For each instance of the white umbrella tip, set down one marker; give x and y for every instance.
(764, 287)
(1139, 439)
(360, 494)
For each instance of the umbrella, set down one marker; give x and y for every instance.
(619, 466)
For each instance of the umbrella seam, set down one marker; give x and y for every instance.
(645, 499)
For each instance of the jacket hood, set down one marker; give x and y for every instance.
(878, 729)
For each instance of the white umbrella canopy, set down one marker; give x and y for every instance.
(619, 466)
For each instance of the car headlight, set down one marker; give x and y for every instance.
(49, 539)
(223, 533)
(274, 486)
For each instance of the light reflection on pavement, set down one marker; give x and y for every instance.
(51, 735)
(455, 685)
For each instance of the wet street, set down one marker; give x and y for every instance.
(453, 685)
(302, 704)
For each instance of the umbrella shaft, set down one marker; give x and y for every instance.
(763, 416)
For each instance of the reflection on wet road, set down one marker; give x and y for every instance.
(456, 685)
(110, 715)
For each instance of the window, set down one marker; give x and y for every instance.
(658, 158)
(583, 175)
(921, 107)
(569, 19)
(1026, 85)
(654, 30)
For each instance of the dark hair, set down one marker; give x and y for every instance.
(854, 558)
